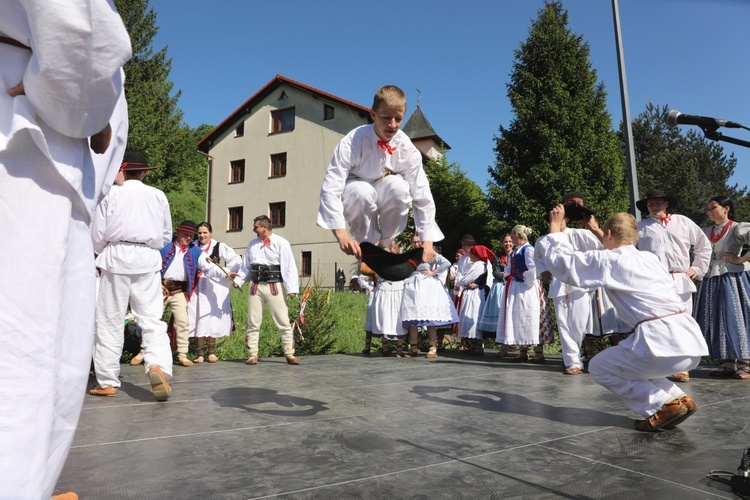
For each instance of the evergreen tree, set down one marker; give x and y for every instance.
(561, 138)
(156, 121)
(689, 167)
(460, 205)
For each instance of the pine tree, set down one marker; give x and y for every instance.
(156, 121)
(561, 138)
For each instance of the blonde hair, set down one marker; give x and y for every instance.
(624, 228)
(389, 95)
(523, 231)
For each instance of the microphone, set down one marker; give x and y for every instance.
(675, 118)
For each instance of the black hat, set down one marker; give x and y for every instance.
(656, 193)
(135, 160)
(188, 226)
(575, 207)
(390, 266)
(467, 238)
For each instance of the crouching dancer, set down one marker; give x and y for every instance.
(665, 338)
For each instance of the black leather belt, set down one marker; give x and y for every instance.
(174, 286)
(261, 273)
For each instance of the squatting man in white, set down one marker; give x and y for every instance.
(665, 338)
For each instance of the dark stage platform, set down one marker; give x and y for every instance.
(346, 426)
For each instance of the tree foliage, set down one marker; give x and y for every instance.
(561, 138)
(156, 121)
(460, 204)
(689, 167)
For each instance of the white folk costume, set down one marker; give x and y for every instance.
(49, 186)
(722, 307)
(472, 300)
(210, 307)
(425, 300)
(665, 341)
(386, 310)
(573, 305)
(267, 264)
(518, 323)
(671, 240)
(493, 303)
(131, 225)
(359, 188)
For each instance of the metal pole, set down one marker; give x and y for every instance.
(627, 129)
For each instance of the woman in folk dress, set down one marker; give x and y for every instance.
(722, 304)
(426, 302)
(518, 323)
(210, 307)
(491, 312)
(472, 297)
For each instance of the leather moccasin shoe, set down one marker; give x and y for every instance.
(681, 377)
(667, 414)
(137, 359)
(292, 360)
(65, 496)
(252, 360)
(212, 358)
(521, 358)
(688, 403)
(198, 360)
(159, 386)
(184, 361)
(573, 370)
(103, 391)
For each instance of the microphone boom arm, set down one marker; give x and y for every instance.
(713, 134)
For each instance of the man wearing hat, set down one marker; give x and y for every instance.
(131, 225)
(670, 236)
(182, 261)
(572, 304)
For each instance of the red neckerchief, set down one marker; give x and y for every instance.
(716, 237)
(266, 242)
(386, 147)
(666, 219)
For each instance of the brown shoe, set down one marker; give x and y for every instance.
(537, 360)
(159, 386)
(722, 372)
(184, 361)
(212, 358)
(137, 359)
(681, 377)
(743, 370)
(688, 402)
(573, 370)
(666, 415)
(432, 353)
(103, 391)
(198, 360)
(292, 360)
(521, 358)
(65, 496)
(252, 360)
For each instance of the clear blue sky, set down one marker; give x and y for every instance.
(692, 55)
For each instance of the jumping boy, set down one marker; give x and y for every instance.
(375, 173)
